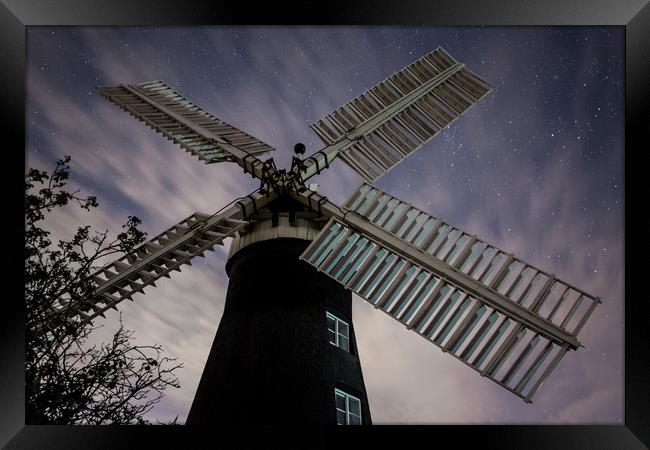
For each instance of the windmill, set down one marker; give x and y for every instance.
(286, 340)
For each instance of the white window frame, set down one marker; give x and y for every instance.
(337, 333)
(347, 407)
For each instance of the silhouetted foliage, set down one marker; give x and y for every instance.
(68, 380)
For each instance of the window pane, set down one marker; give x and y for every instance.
(332, 337)
(354, 420)
(343, 343)
(340, 418)
(355, 406)
(340, 402)
(343, 329)
(331, 323)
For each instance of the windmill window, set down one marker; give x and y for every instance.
(338, 332)
(348, 408)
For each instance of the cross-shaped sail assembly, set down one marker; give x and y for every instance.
(506, 319)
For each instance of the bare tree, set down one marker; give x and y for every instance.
(68, 380)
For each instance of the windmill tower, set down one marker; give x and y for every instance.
(286, 337)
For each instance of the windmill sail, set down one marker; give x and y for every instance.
(197, 131)
(381, 127)
(507, 319)
(159, 256)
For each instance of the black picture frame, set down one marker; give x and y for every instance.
(15, 15)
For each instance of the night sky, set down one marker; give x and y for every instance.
(535, 168)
